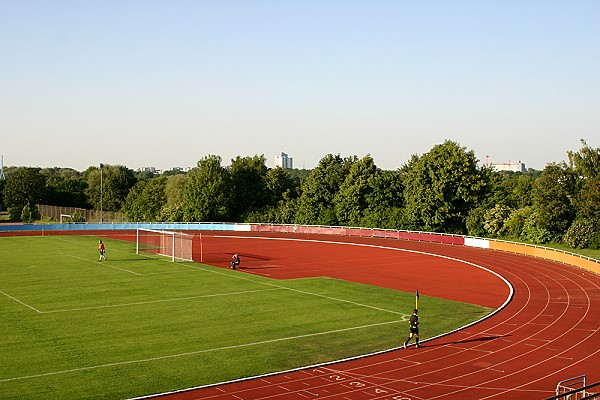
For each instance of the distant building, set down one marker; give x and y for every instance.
(284, 161)
(509, 166)
(182, 169)
(147, 169)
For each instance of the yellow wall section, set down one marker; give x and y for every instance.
(547, 254)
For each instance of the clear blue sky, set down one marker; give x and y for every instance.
(165, 83)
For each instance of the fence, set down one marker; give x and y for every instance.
(57, 213)
(576, 389)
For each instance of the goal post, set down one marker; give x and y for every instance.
(175, 245)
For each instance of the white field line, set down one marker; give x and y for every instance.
(20, 302)
(161, 258)
(100, 262)
(62, 239)
(156, 301)
(193, 353)
(247, 278)
(404, 316)
(503, 279)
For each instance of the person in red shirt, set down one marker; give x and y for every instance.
(102, 250)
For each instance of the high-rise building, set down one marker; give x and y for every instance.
(284, 161)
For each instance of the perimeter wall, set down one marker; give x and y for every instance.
(511, 247)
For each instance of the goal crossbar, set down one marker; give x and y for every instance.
(175, 245)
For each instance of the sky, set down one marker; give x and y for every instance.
(164, 83)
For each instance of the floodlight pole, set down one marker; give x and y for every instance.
(101, 190)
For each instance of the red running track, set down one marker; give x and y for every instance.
(548, 332)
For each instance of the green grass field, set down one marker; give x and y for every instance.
(72, 327)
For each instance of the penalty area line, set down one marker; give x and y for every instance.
(67, 310)
(247, 278)
(22, 303)
(104, 263)
(192, 353)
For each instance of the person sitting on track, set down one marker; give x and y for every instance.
(235, 261)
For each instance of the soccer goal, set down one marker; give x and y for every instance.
(176, 245)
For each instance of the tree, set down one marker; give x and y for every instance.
(589, 201)
(281, 202)
(24, 186)
(172, 210)
(515, 223)
(173, 171)
(553, 195)
(207, 192)
(64, 188)
(586, 167)
(316, 203)
(280, 184)
(475, 221)
(351, 200)
(249, 189)
(113, 183)
(145, 200)
(2, 185)
(368, 196)
(495, 220)
(442, 186)
(28, 214)
(385, 202)
(513, 189)
(586, 161)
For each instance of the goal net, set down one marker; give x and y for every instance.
(176, 245)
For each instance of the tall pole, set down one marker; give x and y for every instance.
(417, 300)
(2, 177)
(101, 190)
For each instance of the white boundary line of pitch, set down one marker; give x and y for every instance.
(272, 340)
(193, 353)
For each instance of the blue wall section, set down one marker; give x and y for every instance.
(124, 226)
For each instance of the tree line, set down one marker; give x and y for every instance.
(443, 190)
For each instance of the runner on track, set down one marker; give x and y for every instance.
(414, 328)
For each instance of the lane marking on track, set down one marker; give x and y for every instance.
(564, 358)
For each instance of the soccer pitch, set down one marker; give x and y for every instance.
(72, 327)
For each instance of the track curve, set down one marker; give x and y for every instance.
(548, 332)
